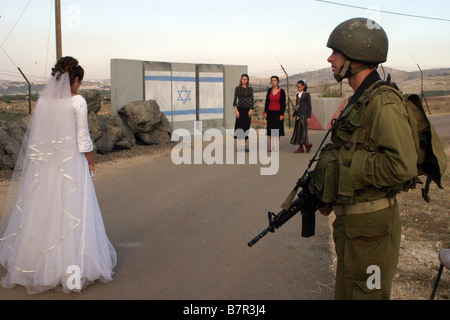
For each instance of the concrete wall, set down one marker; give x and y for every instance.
(232, 77)
(185, 92)
(127, 83)
(324, 110)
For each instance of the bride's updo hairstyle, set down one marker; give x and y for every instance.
(68, 64)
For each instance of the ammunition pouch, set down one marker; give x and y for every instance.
(331, 180)
(325, 178)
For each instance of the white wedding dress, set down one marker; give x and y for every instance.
(52, 229)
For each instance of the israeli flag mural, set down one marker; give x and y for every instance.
(158, 85)
(211, 95)
(174, 92)
(186, 95)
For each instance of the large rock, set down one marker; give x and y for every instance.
(9, 150)
(14, 130)
(154, 137)
(11, 137)
(127, 140)
(93, 99)
(146, 122)
(165, 125)
(24, 122)
(141, 116)
(115, 134)
(141, 119)
(159, 135)
(109, 138)
(108, 132)
(95, 127)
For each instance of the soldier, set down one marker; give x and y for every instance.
(370, 159)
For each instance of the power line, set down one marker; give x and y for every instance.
(9, 33)
(24, 9)
(9, 57)
(383, 11)
(9, 73)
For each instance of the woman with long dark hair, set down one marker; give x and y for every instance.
(302, 116)
(243, 105)
(274, 113)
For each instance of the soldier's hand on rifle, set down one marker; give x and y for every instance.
(326, 209)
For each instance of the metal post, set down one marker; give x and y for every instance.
(29, 90)
(289, 98)
(421, 89)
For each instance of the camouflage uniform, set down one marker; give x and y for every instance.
(382, 162)
(370, 159)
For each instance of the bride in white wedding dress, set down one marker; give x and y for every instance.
(52, 231)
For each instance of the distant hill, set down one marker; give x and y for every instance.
(434, 79)
(325, 76)
(20, 87)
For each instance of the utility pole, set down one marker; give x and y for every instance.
(58, 29)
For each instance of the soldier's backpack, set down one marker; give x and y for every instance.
(432, 160)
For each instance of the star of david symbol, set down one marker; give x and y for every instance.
(184, 93)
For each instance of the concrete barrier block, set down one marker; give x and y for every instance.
(324, 110)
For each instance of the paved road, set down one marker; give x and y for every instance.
(442, 125)
(181, 233)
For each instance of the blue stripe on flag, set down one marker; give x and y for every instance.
(211, 79)
(211, 110)
(179, 112)
(169, 78)
(193, 111)
(158, 78)
(184, 79)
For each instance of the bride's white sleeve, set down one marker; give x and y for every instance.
(83, 137)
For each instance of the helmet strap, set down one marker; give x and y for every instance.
(346, 71)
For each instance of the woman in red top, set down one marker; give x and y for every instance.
(274, 113)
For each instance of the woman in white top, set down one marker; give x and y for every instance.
(52, 229)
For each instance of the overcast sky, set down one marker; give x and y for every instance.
(258, 33)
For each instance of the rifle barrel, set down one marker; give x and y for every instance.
(260, 236)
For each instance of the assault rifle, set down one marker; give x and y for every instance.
(306, 203)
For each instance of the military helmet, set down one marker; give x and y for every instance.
(360, 39)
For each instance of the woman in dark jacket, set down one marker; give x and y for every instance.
(274, 113)
(302, 115)
(243, 104)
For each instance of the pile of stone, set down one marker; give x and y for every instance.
(140, 120)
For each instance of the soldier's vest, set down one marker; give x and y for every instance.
(331, 177)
